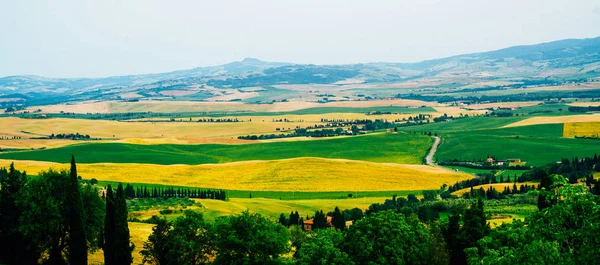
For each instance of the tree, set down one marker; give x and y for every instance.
(451, 236)
(14, 249)
(545, 184)
(77, 239)
(338, 220)
(387, 237)
(122, 241)
(320, 220)
(109, 227)
(249, 238)
(45, 222)
(283, 220)
(156, 248)
(323, 247)
(474, 228)
(191, 240)
(566, 232)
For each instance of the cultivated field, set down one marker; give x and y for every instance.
(556, 119)
(193, 106)
(498, 186)
(382, 147)
(302, 174)
(581, 129)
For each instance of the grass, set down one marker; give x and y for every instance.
(391, 148)
(292, 175)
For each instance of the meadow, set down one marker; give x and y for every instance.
(388, 148)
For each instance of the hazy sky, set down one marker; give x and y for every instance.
(82, 38)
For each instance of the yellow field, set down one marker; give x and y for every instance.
(139, 233)
(168, 132)
(556, 119)
(580, 129)
(299, 174)
(498, 186)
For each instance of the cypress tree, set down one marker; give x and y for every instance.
(122, 245)
(338, 219)
(77, 240)
(109, 227)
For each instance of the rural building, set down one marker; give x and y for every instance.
(308, 224)
(490, 160)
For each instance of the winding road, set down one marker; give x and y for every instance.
(429, 158)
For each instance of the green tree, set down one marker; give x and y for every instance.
(77, 239)
(474, 228)
(323, 247)
(337, 219)
(564, 233)
(122, 241)
(387, 237)
(249, 238)
(14, 248)
(283, 220)
(157, 247)
(191, 241)
(109, 228)
(545, 184)
(45, 221)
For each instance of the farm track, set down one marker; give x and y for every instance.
(429, 158)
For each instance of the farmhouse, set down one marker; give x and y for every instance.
(308, 224)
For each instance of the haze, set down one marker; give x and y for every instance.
(105, 38)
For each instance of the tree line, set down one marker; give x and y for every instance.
(132, 192)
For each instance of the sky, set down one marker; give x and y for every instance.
(91, 38)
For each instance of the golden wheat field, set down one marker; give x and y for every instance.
(498, 186)
(139, 233)
(168, 132)
(581, 129)
(556, 119)
(298, 174)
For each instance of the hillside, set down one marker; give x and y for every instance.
(251, 80)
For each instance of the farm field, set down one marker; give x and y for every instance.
(391, 148)
(302, 174)
(194, 106)
(581, 129)
(503, 144)
(491, 137)
(556, 120)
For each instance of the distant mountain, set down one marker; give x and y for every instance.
(563, 59)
